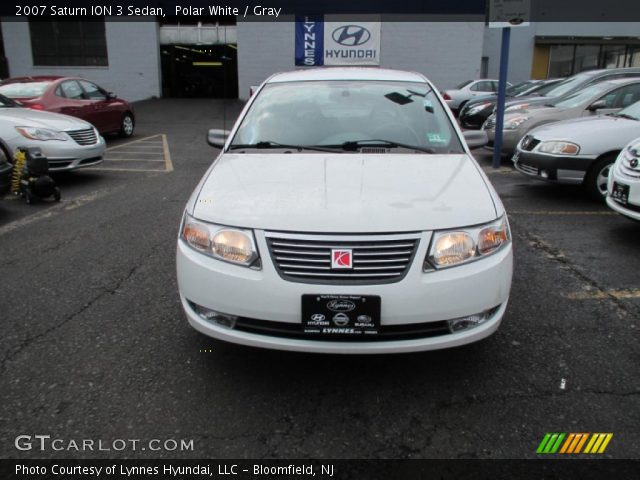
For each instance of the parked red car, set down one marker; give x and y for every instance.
(73, 96)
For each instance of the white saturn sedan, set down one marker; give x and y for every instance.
(345, 214)
(623, 193)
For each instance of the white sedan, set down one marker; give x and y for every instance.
(457, 97)
(67, 142)
(623, 192)
(345, 214)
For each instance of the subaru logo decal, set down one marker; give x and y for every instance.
(351, 35)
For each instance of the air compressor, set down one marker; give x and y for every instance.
(31, 177)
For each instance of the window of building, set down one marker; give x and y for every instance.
(68, 43)
(569, 59)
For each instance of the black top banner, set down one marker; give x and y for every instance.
(283, 10)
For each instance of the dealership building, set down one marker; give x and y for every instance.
(222, 57)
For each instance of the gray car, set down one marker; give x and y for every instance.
(600, 98)
(580, 151)
(573, 84)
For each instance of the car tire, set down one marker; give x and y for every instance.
(596, 179)
(127, 125)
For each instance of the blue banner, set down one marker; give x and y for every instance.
(310, 41)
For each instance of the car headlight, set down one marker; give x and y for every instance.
(559, 148)
(476, 108)
(514, 122)
(44, 134)
(455, 247)
(234, 245)
(518, 106)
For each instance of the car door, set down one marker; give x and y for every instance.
(481, 87)
(71, 99)
(102, 112)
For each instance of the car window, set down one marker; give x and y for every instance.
(92, 91)
(586, 95)
(330, 113)
(622, 97)
(24, 89)
(632, 110)
(494, 86)
(568, 85)
(463, 84)
(482, 87)
(71, 90)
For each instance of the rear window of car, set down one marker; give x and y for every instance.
(24, 89)
(463, 84)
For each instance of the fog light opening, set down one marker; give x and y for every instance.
(472, 321)
(544, 174)
(221, 319)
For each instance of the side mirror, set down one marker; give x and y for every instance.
(111, 95)
(217, 138)
(597, 105)
(475, 138)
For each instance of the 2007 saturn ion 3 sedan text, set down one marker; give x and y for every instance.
(345, 214)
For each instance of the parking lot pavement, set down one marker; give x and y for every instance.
(95, 344)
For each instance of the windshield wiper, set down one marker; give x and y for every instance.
(270, 144)
(353, 145)
(624, 115)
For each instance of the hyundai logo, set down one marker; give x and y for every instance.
(317, 317)
(341, 305)
(351, 35)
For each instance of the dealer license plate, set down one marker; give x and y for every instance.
(620, 192)
(341, 315)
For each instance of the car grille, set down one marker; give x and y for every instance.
(529, 143)
(84, 137)
(376, 258)
(527, 168)
(386, 333)
(627, 171)
(490, 124)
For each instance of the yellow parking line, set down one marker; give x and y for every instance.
(558, 212)
(601, 295)
(167, 154)
(129, 170)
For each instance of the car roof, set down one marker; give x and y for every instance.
(36, 78)
(346, 73)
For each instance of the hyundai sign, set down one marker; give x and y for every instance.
(319, 42)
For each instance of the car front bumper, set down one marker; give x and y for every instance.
(632, 208)
(419, 298)
(510, 139)
(552, 168)
(64, 156)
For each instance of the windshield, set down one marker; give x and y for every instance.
(24, 90)
(544, 88)
(6, 102)
(332, 113)
(567, 85)
(463, 84)
(519, 88)
(632, 110)
(582, 96)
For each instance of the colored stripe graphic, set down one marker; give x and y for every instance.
(572, 443)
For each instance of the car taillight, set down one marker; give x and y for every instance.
(36, 106)
(446, 96)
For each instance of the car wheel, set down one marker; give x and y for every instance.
(597, 176)
(127, 125)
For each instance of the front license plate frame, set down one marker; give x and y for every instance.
(340, 315)
(620, 192)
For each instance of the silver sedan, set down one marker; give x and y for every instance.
(601, 98)
(68, 142)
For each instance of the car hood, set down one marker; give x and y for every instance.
(598, 134)
(356, 193)
(27, 117)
